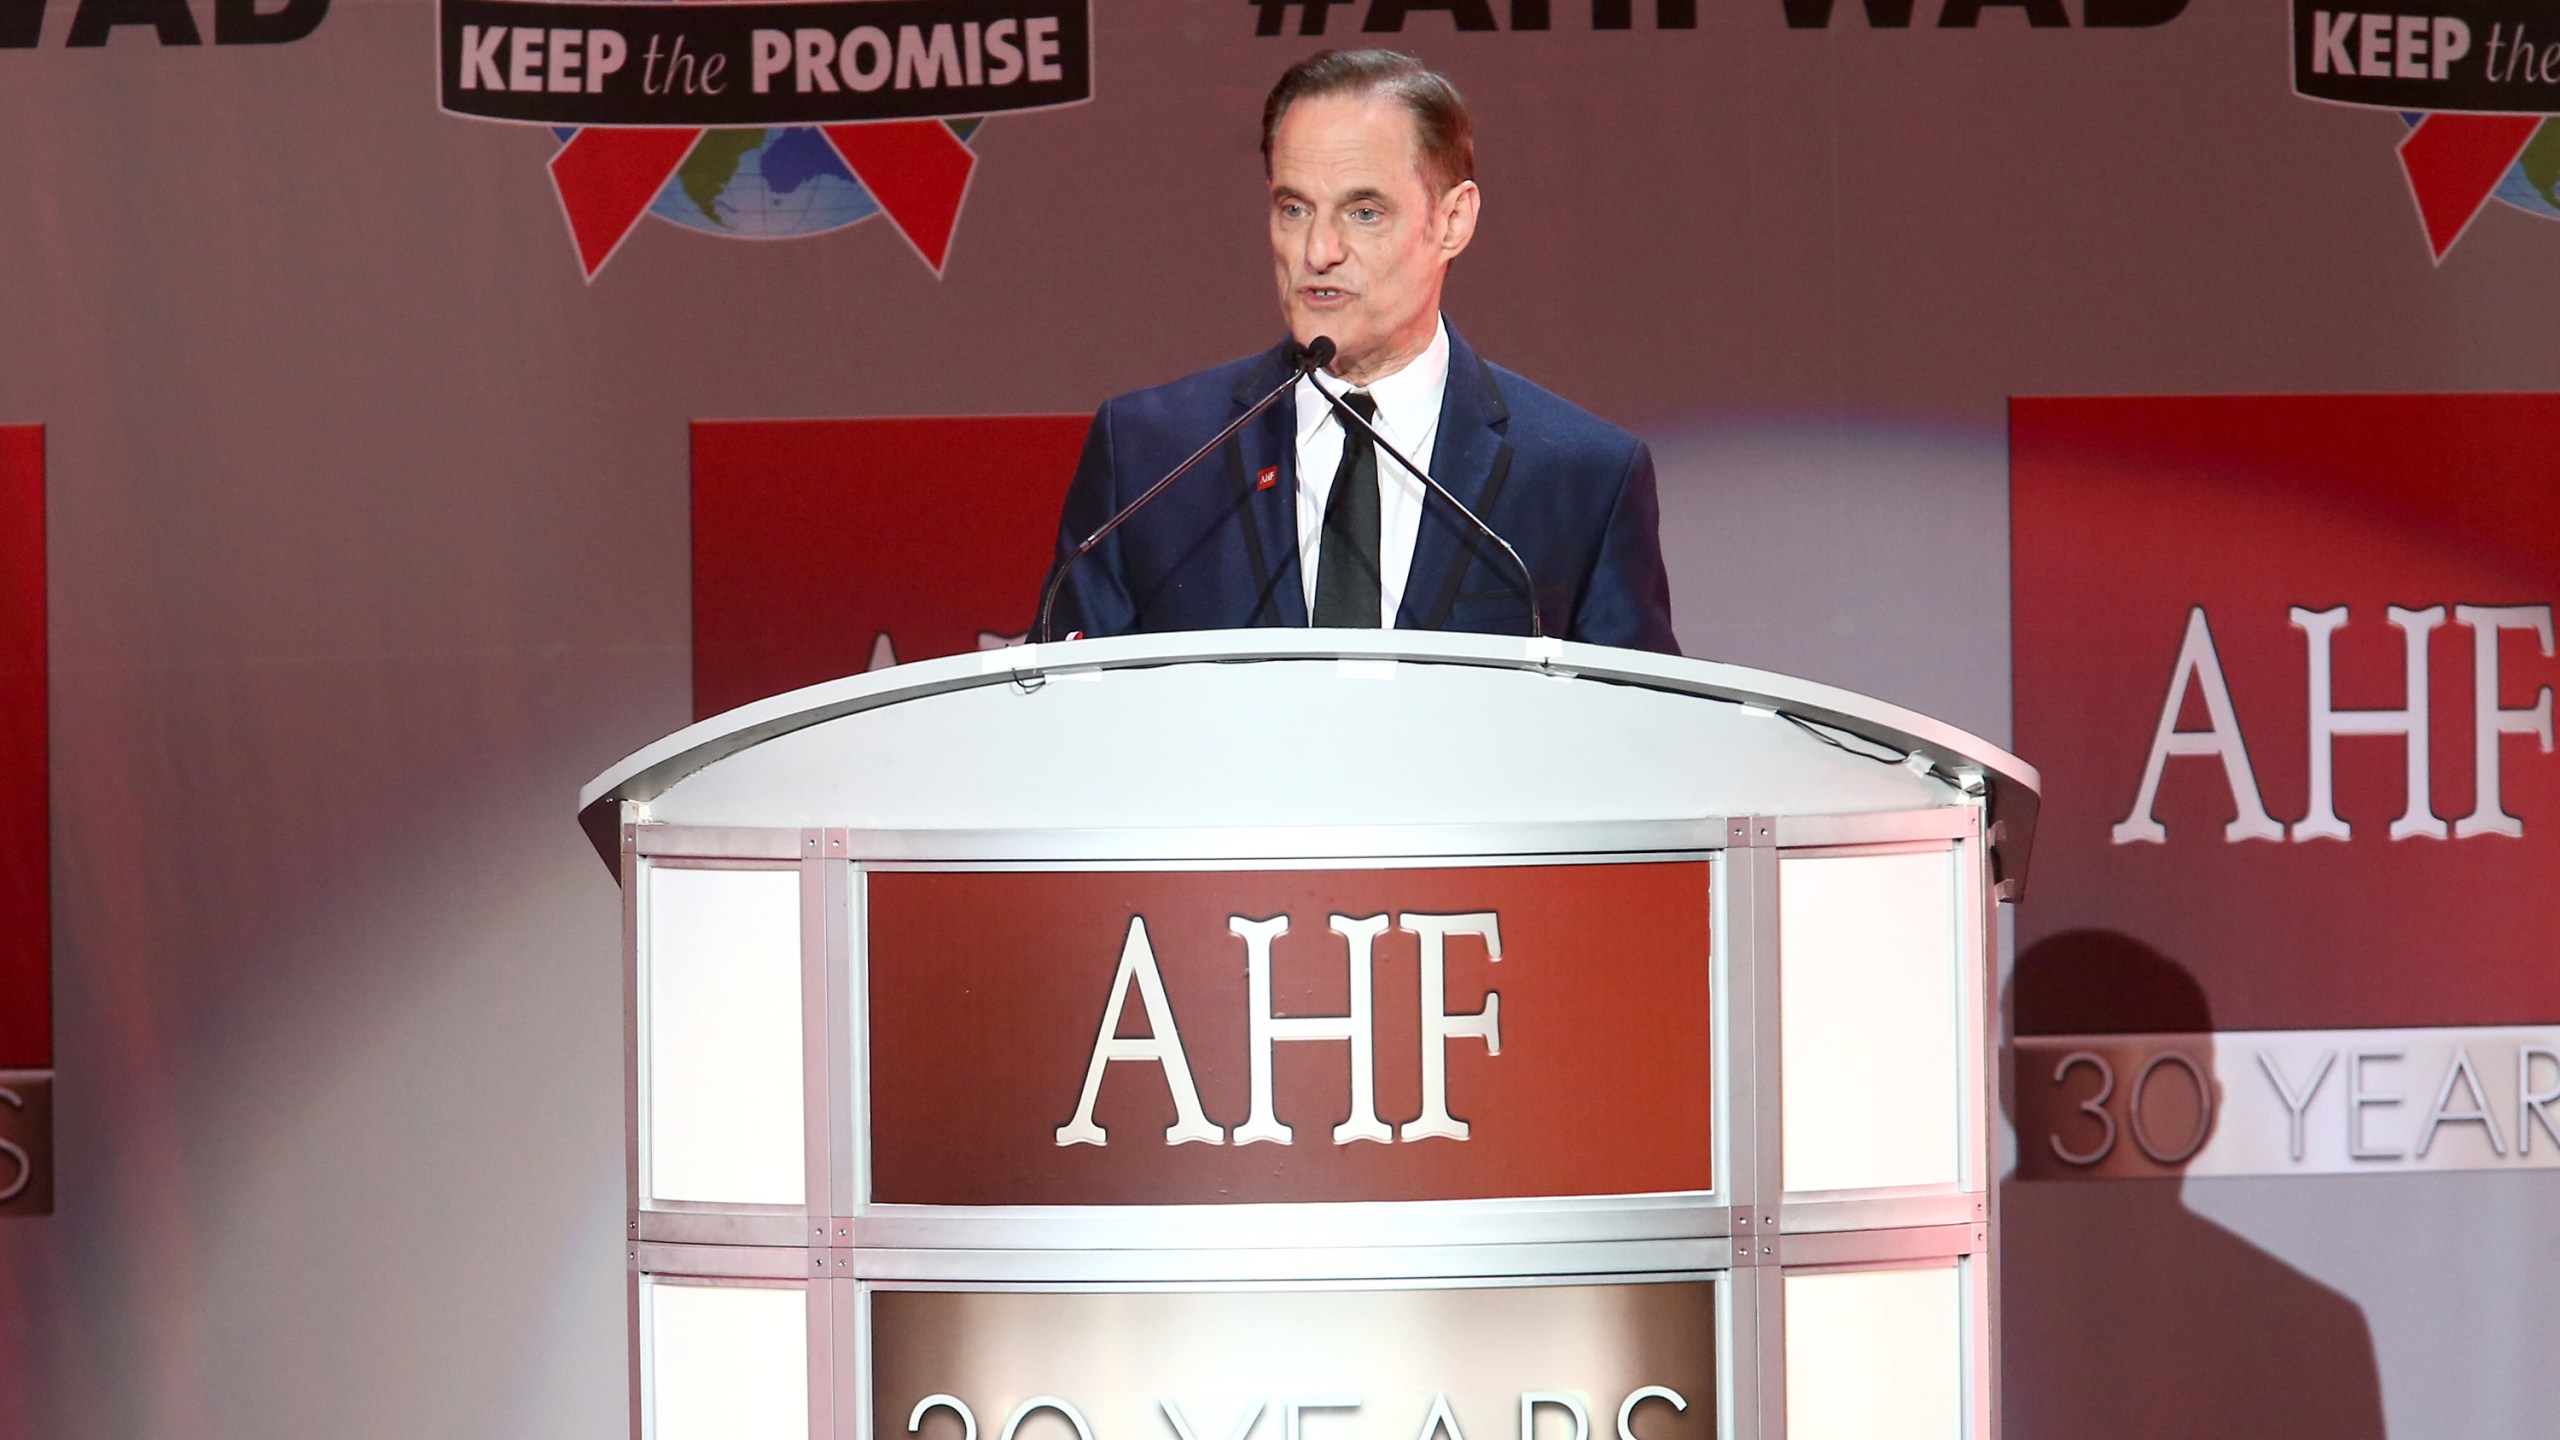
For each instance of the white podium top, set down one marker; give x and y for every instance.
(1077, 747)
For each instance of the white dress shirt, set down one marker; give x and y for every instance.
(1409, 416)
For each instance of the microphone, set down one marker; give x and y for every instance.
(1349, 416)
(1303, 360)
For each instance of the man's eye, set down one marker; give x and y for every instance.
(1367, 214)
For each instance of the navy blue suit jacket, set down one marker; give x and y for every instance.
(1219, 549)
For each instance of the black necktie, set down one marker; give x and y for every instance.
(1347, 566)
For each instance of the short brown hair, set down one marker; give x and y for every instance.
(1443, 130)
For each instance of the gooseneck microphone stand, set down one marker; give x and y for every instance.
(1349, 416)
(1304, 360)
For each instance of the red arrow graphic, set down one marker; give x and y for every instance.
(2454, 163)
(916, 169)
(606, 179)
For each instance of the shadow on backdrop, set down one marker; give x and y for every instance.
(2124, 1313)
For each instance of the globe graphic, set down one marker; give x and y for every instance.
(2533, 184)
(769, 184)
(763, 184)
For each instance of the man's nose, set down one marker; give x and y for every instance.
(1324, 246)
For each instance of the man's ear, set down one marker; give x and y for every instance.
(1458, 211)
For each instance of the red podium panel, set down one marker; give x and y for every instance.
(991, 993)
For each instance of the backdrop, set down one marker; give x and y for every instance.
(401, 400)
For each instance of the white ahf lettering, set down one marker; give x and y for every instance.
(2490, 719)
(2417, 817)
(1162, 1044)
(2200, 666)
(1266, 1030)
(1439, 1027)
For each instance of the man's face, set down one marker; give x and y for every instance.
(1359, 238)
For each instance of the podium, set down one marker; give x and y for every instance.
(1313, 1035)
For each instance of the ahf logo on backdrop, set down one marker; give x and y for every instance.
(2480, 85)
(762, 120)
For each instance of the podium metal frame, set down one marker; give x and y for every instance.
(1746, 1236)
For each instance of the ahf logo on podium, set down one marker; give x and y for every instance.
(1162, 1044)
(1219, 1037)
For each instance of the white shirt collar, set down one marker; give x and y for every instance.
(1408, 400)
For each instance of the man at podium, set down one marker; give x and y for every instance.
(1302, 516)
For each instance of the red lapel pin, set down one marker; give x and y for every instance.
(1269, 477)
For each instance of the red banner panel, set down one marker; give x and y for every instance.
(26, 879)
(1203, 1037)
(824, 548)
(2286, 664)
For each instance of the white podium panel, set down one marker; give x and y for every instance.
(726, 1362)
(1875, 1024)
(1876, 1352)
(1077, 1042)
(721, 1055)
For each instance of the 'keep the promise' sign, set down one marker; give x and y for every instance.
(654, 64)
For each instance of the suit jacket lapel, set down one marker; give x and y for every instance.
(1269, 514)
(1467, 454)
